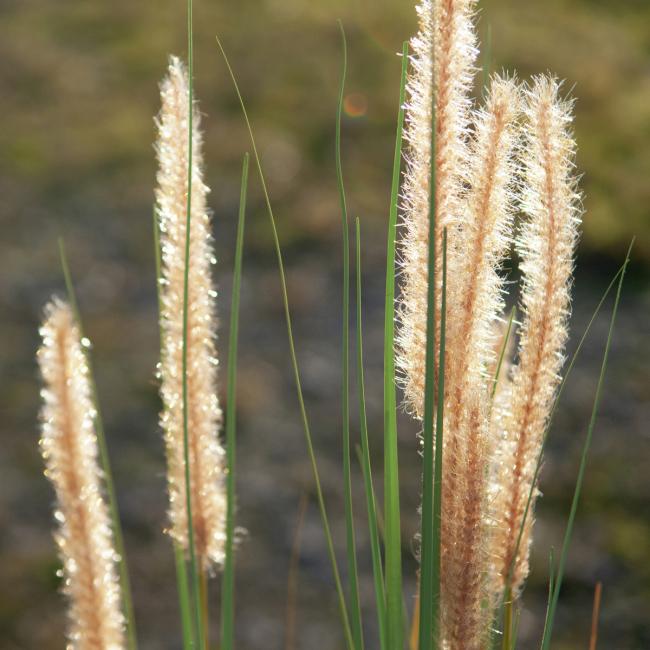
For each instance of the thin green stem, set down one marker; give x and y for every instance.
(392, 531)
(194, 568)
(502, 353)
(294, 363)
(431, 473)
(184, 599)
(227, 589)
(437, 474)
(353, 580)
(125, 582)
(371, 504)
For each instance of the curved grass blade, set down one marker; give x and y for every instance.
(125, 582)
(432, 464)
(294, 360)
(431, 477)
(228, 579)
(548, 628)
(393, 535)
(375, 549)
(353, 579)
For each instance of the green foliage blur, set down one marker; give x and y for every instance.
(79, 92)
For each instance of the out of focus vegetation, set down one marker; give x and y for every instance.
(78, 94)
(79, 90)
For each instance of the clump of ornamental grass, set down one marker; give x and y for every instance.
(482, 177)
(70, 451)
(513, 153)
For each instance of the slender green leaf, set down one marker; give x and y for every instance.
(364, 457)
(548, 628)
(194, 566)
(502, 353)
(551, 579)
(393, 534)
(294, 361)
(353, 580)
(228, 580)
(184, 599)
(431, 476)
(125, 583)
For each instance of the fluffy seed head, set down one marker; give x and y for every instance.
(69, 448)
(206, 455)
(442, 63)
(545, 244)
(481, 241)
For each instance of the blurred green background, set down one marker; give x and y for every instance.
(79, 91)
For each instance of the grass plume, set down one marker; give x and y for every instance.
(545, 242)
(206, 454)
(69, 448)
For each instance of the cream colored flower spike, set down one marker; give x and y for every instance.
(205, 452)
(545, 243)
(69, 447)
(448, 24)
(482, 239)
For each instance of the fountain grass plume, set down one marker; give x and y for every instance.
(206, 455)
(69, 447)
(545, 242)
(482, 240)
(442, 69)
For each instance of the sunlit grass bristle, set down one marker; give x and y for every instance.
(70, 451)
(545, 242)
(204, 414)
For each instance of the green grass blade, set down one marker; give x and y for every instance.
(228, 580)
(551, 584)
(548, 628)
(182, 584)
(393, 534)
(353, 580)
(294, 361)
(184, 599)
(538, 464)
(502, 353)
(371, 504)
(194, 566)
(125, 582)
(437, 477)
(432, 467)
